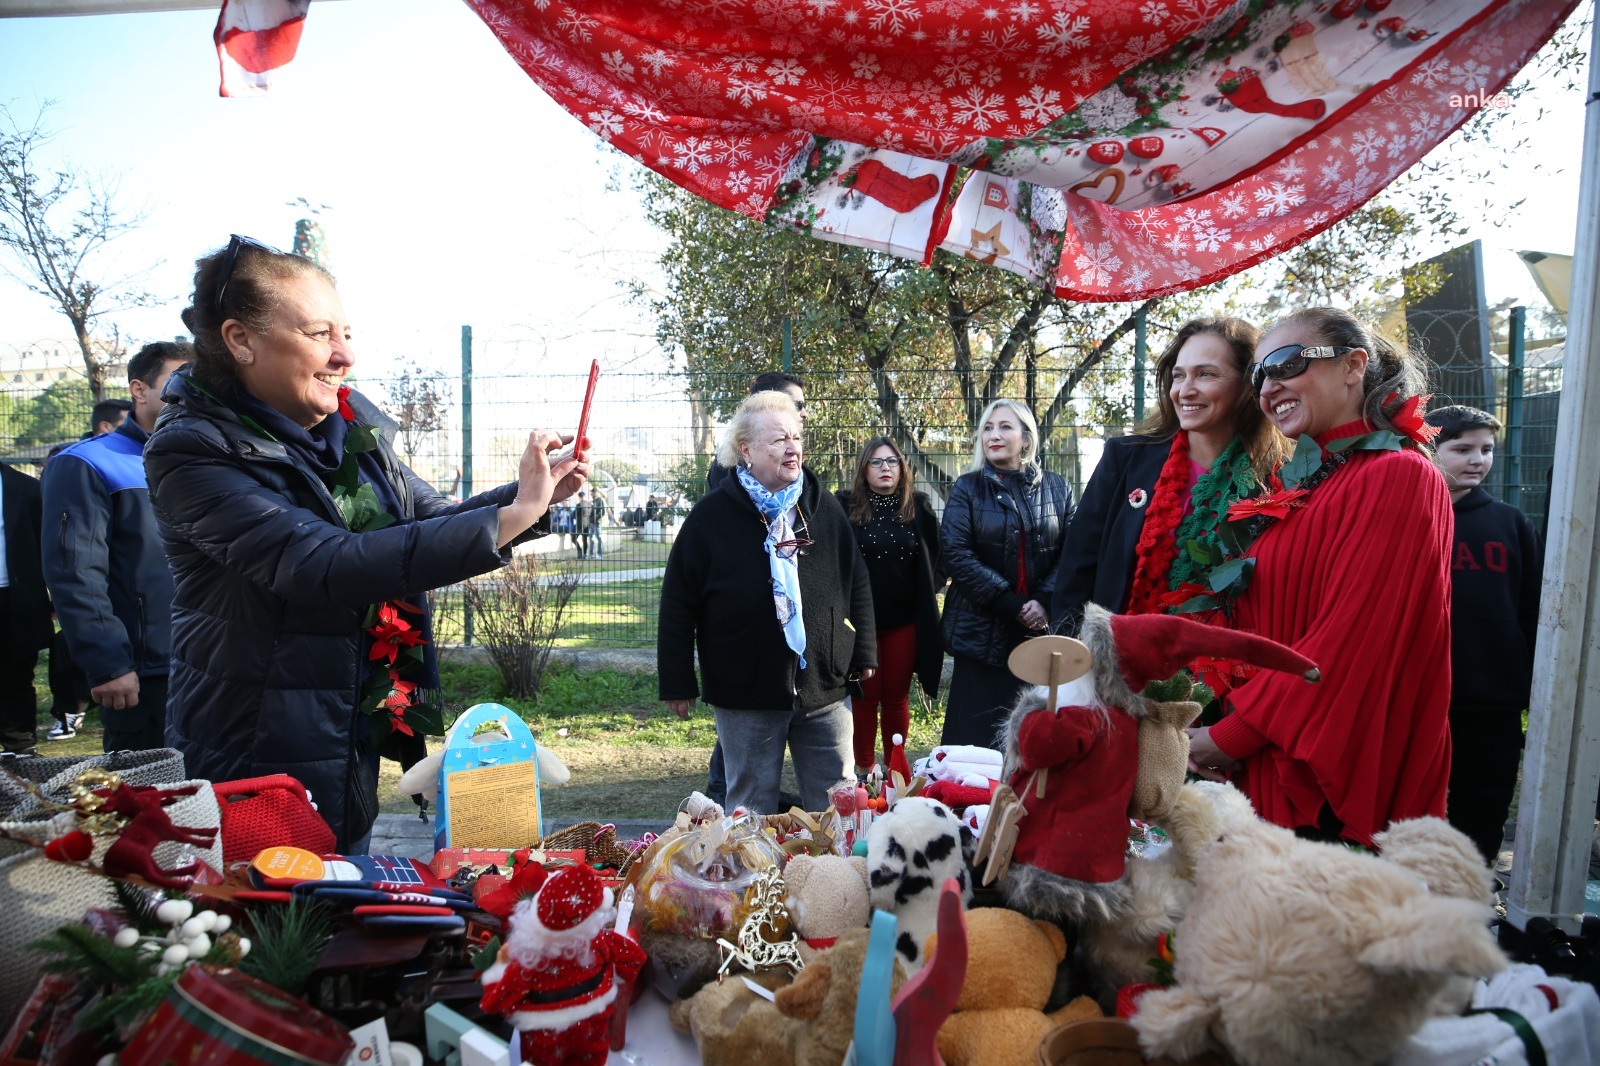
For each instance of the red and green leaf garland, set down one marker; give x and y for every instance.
(1226, 570)
(390, 700)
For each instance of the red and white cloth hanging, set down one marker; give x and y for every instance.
(1110, 149)
(255, 38)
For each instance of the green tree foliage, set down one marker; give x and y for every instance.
(60, 412)
(937, 344)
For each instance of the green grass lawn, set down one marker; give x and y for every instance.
(630, 757)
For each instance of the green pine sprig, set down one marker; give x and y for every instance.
(286, 942)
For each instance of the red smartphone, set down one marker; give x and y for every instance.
(588, 401)
(583, 417)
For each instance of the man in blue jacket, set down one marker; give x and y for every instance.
(105, 565)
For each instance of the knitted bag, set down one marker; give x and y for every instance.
(263, 812)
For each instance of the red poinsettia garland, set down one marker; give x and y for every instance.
(389, 700)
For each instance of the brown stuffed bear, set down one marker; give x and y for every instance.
(1011, 967)
(810, 1024)
(827, 897)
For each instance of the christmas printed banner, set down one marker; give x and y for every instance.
(1112, 150)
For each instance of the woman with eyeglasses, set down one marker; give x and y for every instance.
(899, 538)
(1206, 446)
(765, 581)
(1000, 541)
(1356, 577)
(302, 548)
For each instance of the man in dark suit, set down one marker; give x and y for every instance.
(24, 609)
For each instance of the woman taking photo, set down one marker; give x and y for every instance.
(1000, 542)
(899, 538)
(766, 582)
(1206, 447)
(1356, 577)
(288, 521)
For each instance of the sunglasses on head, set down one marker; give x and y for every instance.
(231, 257)
(1291, 361)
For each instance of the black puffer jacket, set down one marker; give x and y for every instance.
(987, 519)
(271, 589)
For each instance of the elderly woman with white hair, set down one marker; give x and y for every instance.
(1000, 540)
(765, 579)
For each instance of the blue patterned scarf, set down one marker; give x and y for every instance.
(775, 508)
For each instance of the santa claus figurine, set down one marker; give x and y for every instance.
(557, 977)
(1074, 766)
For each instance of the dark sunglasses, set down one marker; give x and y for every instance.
(1290, 361)
(800, 545)
(231, 257)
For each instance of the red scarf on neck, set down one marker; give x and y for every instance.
(1157, 539)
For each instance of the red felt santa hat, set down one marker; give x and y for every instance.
(897, 759)
(1132, 650)
(569, 896)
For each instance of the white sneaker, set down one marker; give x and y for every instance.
(58, 732)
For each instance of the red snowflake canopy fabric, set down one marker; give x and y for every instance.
(1112, 149)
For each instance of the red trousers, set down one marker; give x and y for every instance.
(890, 687)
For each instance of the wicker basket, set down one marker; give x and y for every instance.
(1106, 1042)
(597, 842)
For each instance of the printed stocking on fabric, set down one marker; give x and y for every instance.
(891, 188)
(1244, 90)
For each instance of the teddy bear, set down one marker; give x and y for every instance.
(911, 849)
(827, 897)
(1011, 969)
(810, 1021)
(1158, 884)
(1317, 954)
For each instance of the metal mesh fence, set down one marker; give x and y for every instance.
(653, 434)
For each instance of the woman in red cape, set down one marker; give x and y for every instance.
(1355, 577)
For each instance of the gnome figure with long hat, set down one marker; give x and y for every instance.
(1074, 765)
(557, 977)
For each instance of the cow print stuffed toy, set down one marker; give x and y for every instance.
(911, 850)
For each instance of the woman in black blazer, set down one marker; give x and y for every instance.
(1207, 446)
(899, 538)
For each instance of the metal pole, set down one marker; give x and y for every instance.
(1140, 352)
(1561, 770)
(466, 454)
(1516, 353)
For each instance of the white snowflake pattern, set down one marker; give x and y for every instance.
(1040, 105)
(1433, 73)
(1278, 198)
(785, 72)
(1149, 223)
(1154, 13)
(820, 8)
(617, 65)
(642, 110)
(956, 70)
(1025, 11)
(657, 61)
(733, 151)
(807, 115)
(1330, 173)
(1290, 169)
(1189, 271)
(605, 123)
(1365, 145)
(692, 153)
(1086, 68)
(1064, 34)
(978, 108)
(738, 182)
(1470, 76)
(1202, 230)
(1354, 190)
(892, 15)
(746, 91)
(835, 93)
(740, 63)
(577, 26)
(1136, 277)
(1099, 264)
(1233, 205)
(865, 66)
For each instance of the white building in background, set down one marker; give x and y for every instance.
(29, 367)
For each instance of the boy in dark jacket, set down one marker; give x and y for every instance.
(1495, 573)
